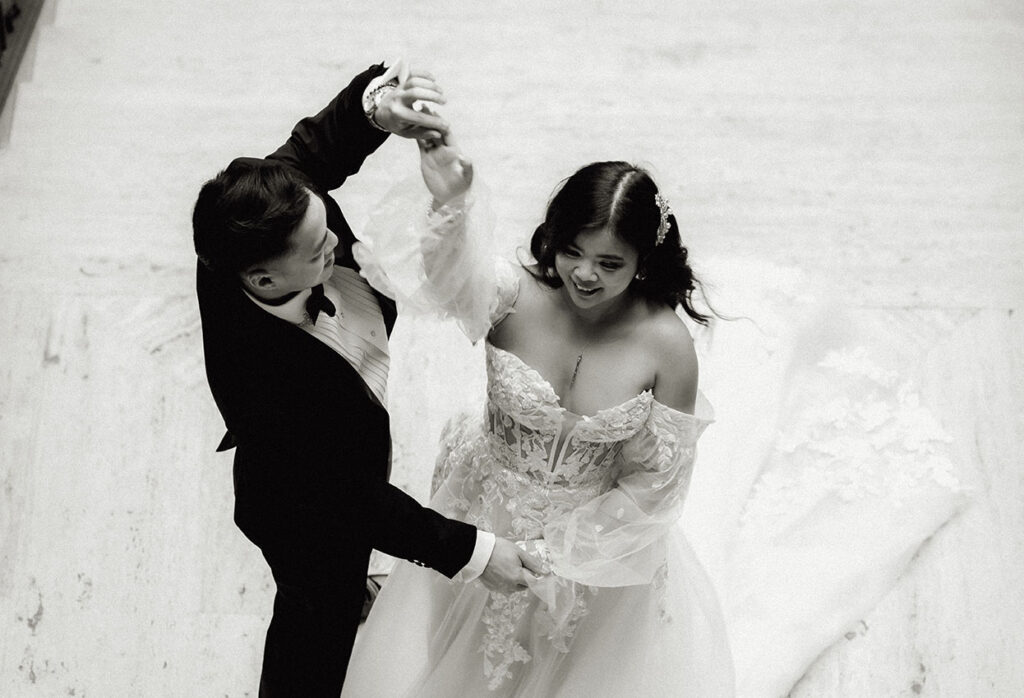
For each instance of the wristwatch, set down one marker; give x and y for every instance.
(372, 99)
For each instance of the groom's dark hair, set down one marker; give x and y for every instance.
(246, 214)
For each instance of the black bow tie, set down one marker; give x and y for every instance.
(318, 303)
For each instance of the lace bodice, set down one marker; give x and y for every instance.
(598, 490)
(534, 435)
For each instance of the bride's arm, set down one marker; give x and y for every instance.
(615, 539)
(618, 538)
(428, 245)
(447, 173)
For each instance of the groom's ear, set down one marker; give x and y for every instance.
(258, 279)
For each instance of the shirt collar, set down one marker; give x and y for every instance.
(293, 310)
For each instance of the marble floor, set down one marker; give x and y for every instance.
(878, 146)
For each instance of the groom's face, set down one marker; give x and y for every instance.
(310, 257)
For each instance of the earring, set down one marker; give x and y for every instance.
(640, 276)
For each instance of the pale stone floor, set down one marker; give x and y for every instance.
(883, 141)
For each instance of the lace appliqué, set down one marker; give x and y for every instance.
(528, 423)
(501, 647)
(863, 433)
(659, 585)
(560, 628)
(458, 442)
(503, 620)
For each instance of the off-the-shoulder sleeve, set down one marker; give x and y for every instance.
(440, 262)
(616, 539)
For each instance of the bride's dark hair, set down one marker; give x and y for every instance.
(620, 196)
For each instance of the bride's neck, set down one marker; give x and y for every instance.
(599, 317)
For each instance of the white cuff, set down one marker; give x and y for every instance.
(478, 561)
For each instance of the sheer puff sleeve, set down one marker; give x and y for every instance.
(616, 539)
(438, 262)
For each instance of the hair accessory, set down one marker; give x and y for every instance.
(666, 211)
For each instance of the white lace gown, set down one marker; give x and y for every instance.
(604, 492)
(627, 608)
(826, 476)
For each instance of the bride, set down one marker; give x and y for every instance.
(584, 453)
(829, 472)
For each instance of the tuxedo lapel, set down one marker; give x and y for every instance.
(387, 309)
(313, 359)
(243, 341)
(232, 314)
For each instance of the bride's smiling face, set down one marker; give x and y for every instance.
(596, 268)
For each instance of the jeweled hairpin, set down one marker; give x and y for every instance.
(666, 211)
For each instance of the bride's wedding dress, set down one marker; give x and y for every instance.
(806, 505)
(604, 492)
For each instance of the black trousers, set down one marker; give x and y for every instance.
(321, 586)
(310, 639)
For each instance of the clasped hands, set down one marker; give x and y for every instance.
(514, 565)
(410, 111)
(402, 110)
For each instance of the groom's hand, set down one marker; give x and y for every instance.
(398, 112)
(509, 568)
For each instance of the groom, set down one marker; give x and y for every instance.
(297, 358)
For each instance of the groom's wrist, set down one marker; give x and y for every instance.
(374, 94)
(377, 89)
(479, 559)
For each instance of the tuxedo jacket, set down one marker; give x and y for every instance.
(312, 446)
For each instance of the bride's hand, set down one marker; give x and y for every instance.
(538, 548)
(446, 172)
(509, 568)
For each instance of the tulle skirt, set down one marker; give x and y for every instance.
(431, 637)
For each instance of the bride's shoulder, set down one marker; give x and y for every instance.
(520, 298)
(663, 329)
(524, 271)
(668, 340)
(532, 288)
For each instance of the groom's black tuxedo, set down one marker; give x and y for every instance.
(311, 465)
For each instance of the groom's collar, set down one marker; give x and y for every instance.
(292, 309)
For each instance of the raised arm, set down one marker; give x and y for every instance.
(428, 245)
(331, 145)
